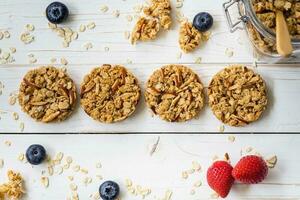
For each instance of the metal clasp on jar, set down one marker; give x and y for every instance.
(233, 26)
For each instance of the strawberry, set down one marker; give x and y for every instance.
(250, 169)
(219, 177)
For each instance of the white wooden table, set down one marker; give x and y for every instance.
(128, 157)
(283, 80)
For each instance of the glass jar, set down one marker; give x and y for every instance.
(262, 38)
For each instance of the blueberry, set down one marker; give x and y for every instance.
(57, 12)
(203, 21)
(35, 154)
(109, 190)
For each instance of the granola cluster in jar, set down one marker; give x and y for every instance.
(266, 13)
(13, 189)
(109, 93)
(157, 16)
(47, 94)
(237, 95)
(175, 93)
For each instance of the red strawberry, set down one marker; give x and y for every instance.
(250, 169)
(219, 177)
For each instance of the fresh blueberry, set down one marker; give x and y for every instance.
(203, 21)
(57, 12)
(109, 190)
(35, 154)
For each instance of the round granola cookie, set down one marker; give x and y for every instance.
(47, 94)
(237, 95)
(109, 93)
(175, 93)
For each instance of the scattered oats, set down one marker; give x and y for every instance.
(71, 178)
(85, 171)
(59, 156)
(73, 187)
(179, 4)
(96, 196)
(21, 157)
(206, 36)
(88, 45)
(12, 100)
(198, 60)
(231, 138)
(197, 184)
(116, 13)
(66, 166)
(129, 61)
(29, 27)
(45, 181)
(15, 116)
(1, 35)
(192, 192)
(104, 8)
(69, 159)
(98, 165)
(74, 36)
(26, 38)
(168, 195)
(196, 166)
(129, 18)
(127, 35)
(179, 55)
(21, 126)
(76, 168)
(1, 163)
(59, 170)
(91, 25)
(7, 143)
(32, 60)
(65, 44)
(271, 162)
(6, 34)
(50, 170)
(221, 128)
(52, 26)
(215, 157)
(214, 196)
(30, 55)
(249, 149)
(106, 49)
(128, 183)
(12, 49)
(82, 28)
(63, 61)
(229, 52)
(53, 60)
(99, 177)
(5, 55)
(184, 175)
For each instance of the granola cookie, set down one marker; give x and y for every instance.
(145, 29)
(47, 94)
(175, 93)
(109, 93)
(13, 189)
(189, 37)
(237, 95)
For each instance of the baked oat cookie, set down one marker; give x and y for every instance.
(189, 37)
(109, 93)
(160, 9)
(175, 93)
(237, 95)
(47, 94)
(145, 29)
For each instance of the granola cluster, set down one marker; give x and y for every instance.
(175, 93)
(13, 189)
(47, 94)
(157, 16)
(265, 11)
(109, 93)
(189, 37)
(237, 95)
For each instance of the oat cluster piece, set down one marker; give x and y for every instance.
(47, 94)
(175, 93)
(157, 16)
(13, 189)
(237, 95)
(109, 93)
(189, 37)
